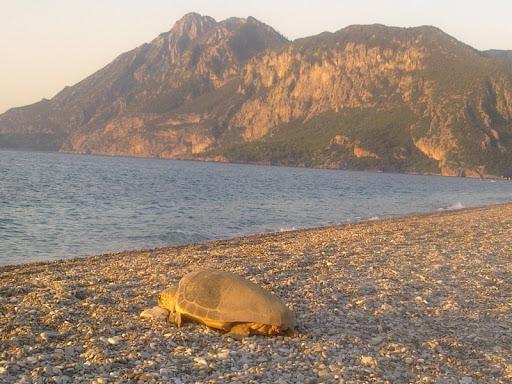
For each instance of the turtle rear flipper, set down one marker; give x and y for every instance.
(239, 331)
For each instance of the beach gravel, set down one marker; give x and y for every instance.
(419, 299)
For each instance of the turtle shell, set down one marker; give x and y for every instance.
(221, 296)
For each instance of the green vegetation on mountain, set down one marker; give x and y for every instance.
(311, 143)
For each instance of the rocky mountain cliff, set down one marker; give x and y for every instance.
(133, 105)
(365, 97)
(498, 54)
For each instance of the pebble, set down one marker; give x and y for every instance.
(200, 361)
(48, 371)
(155, 313)
(165, 372)
(376, 340)
(63, 379)
(368, 361)
(390, 280)
(46, 336)
(223, 355)
(32, 360)
(113, 340)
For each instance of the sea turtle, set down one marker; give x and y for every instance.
(226, 301)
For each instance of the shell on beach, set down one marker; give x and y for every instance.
(226, 297)
(155, 313)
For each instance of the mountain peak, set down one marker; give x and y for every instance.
(194, 17)
(192, 25)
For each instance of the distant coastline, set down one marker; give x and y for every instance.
(262, 163)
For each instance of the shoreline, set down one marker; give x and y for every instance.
(420, 298)
(262, 164)
(263, 234)
(439, 211)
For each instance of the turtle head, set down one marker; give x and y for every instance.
(167, 298)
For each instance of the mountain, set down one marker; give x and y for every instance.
(365, 97)
(498, 54)
(133, 105)
(381, 98)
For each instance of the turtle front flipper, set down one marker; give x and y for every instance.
(239, 331)
(177, 319)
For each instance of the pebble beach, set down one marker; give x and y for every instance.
(416, 299)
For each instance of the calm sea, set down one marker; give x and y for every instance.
(56, 206)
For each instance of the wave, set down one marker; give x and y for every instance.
(287, 229)
(453, 207)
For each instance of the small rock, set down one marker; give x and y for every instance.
(23, 379)
(376, 340)
(82, 294)
(223, 355)
(466, 380)
(113, 340)
(58, 354)
(48, 371)
(165, 372)
(48, 335)
(32, 360)
(200, 361)
(155, 313)
(145, 377)
(61, 379)
(368, 361)
(323, 373)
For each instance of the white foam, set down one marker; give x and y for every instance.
(453, 207)
(457, 205)
(287, 229)
(373, 218)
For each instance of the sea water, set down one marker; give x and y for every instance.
(56, 206)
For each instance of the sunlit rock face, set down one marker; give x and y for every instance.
(365, 97)
(142, 104)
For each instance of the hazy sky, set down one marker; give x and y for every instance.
(48, 44)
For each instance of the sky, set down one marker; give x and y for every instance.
(48, 44)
